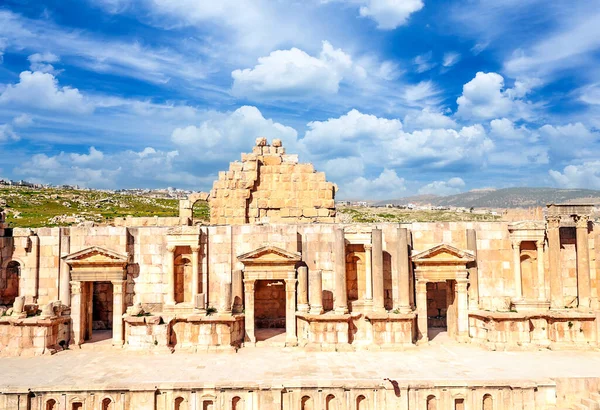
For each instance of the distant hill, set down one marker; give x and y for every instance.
(504, 198)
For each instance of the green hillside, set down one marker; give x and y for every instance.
(29, 207)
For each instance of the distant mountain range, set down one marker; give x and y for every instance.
(503, 198)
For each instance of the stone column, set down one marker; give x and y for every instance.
(462, 314)
(290, 313)
(339, 256)
(119, 287)
(556, 285)
(473, 271)
(170, 273)
(422, 311)
(225, 299)
(516, 245)
(540, 270)
(249, 310)
(583, 261)
(303, 289)
(368, 274)
(315, 291)
(237, 291)
(403, 280)
(377, 260)
(76, 313)
(65, 271)
(195, 272)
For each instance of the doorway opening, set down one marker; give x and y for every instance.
(269, 310)
(101, 311)
(441, 310)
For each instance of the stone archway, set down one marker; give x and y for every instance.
(270, 263)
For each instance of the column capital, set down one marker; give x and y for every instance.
(368, 246)
(515, 243)
(119, 286)
(290, 285)
(581, 221)
(171, 248)
(539, 244)
(553, 221)
(75, 287)
(195, 248)
(249, 285)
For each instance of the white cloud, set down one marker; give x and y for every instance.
(423, 62)
(590, 94)
(7, 133)
(571, 140)
(387, 185)
(381, 140)
(452, 186)
(43, 62)
(340, 134)
(41, 90)
(293, 72)
(584, 175)
(93, 156)
(505, 129)
(390, 14)
(424, 92)
(100, 170)
(571, 46)
(2, 48)
(483, 97)
(224, 135)
(427, 118)
(23, 120)
(99, 54)
(341, 169)
(450, 59)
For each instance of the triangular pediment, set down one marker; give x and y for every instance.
(96, 255)
(527, 226)
(269, 254)
(443, 253)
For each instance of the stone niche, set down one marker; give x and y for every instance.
(270, 186)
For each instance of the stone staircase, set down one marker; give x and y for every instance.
(592, 402)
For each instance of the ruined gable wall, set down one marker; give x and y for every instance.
(270, 186)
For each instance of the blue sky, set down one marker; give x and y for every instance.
(389, 97)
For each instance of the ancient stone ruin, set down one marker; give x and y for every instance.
(273, 270)
(270, 186)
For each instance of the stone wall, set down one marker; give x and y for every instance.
(270, 186)
(345, 396)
